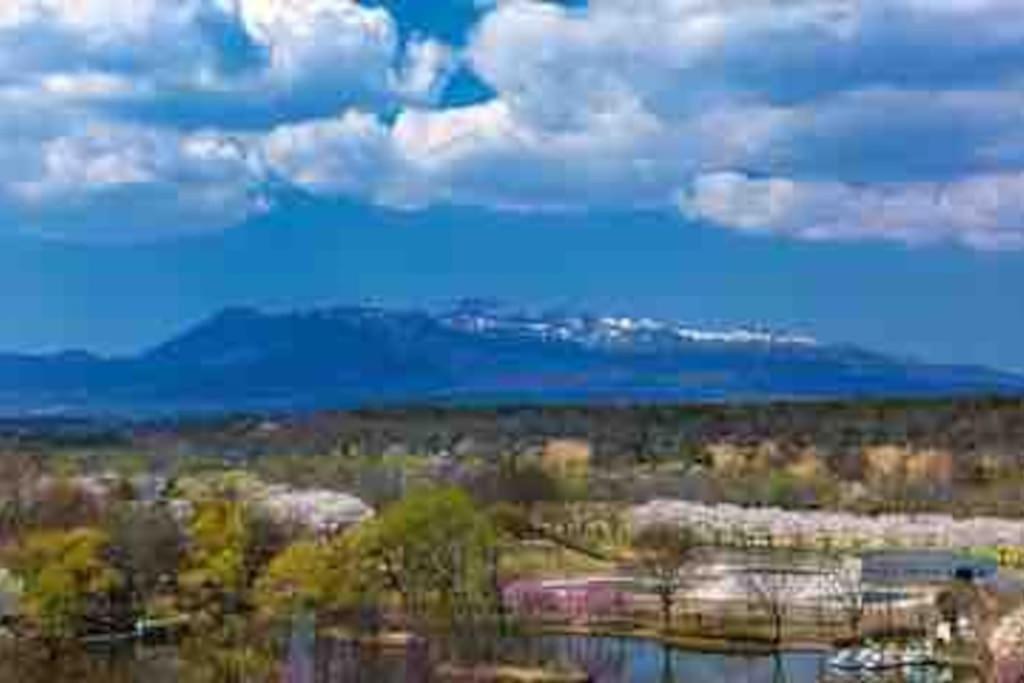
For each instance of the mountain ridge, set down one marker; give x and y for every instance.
(243, 359)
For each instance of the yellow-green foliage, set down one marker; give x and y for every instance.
(433, 549)
(230, 651)
(1008, 556)
(63, 573)
(320, 575)
(218, 538)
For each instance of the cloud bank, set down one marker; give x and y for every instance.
(895, 120)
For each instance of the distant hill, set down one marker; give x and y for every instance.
(245, 360)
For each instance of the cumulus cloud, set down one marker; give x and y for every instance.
(883, 119)
(985, 212)
(143, 38)
(106, 182)
(346, 155)
(611, 160)
(902, 96)
(677, 53)
(148, 116)
(842, 105)
(427, 66)
(322, 43)
(337, 51)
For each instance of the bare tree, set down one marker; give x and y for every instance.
(19, 477)
(661, 552)
(844, 587)
(771, 589)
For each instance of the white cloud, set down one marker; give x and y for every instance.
(329, 43)
(873, 135)
(809, 118)
(985, 212)
(105, 182)
(477, 155)
(633, 102)
(85, 85)
(427, 66)
(349, 154)
(140, 37)
(97, 99)
(679, 54)
(490, 155)
(334, 50)
(487, 155)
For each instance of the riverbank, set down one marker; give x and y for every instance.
(450, 673)
(691, 643)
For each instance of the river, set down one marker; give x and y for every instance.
(605, 659)
(614, 660)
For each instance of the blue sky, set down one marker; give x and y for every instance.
(849, 169)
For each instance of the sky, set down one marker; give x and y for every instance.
(850, 169)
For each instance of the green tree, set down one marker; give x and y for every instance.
(228, 546)
(226, 550)
(434, 549)
(67, 580)
(331, 576)
(213, 578)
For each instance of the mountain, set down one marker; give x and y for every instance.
(245, 360)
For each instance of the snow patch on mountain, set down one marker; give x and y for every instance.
(610, 331)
